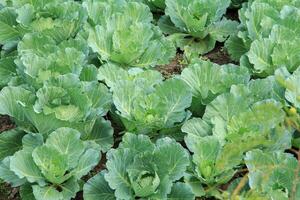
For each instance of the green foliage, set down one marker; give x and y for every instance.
(237, 3)
(196, 25)
(138, 168)
(52, 168)
(274, 174)
(208, 80)
(146, 103)
(61, 19)
(123, 34)
(263, 42)
(220, 139)
(84, 79)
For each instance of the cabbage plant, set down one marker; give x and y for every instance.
(122, 33)
(61, 19)
(145, 103)
(263, 42)
(220, 138)
(142, 171)
(196, 25)
(54, 82)
(207, 80)
(51, 169)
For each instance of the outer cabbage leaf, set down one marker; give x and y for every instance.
(38, 62)
(290, 83)
(7, 70)
(60, 19)
(98, 188)
(181, 191)
(10, 30)
(208, 80)
(60, 101)
(8, 176)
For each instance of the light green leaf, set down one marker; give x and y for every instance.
(46, 193)
(12, 99)
(114, 37)
(292, 92)
(175, 97)
(177, 158)
(87, 162)
(89, 73)
(207, 80)
(117, 178)
(52, 163)
(100, 98)
(102, 134)
(98, 188)
(260, 56)
(222, 29)
(206, 152)
(31, 141)
(22, 164)
(70, 189)
(67, 142)
(8, 30)
(136, 143)
(9, 176)
(181, 191)
(235, 47)
(274, 173)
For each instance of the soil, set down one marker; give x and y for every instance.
(174, 67)
(218, 55)
(6, 191)
(232, 14)
(5, 123)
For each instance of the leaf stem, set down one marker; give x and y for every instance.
(240, 186)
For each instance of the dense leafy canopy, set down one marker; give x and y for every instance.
(264, 41)
(95, 113)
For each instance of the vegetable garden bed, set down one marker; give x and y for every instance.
(149, 100)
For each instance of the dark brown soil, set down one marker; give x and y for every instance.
(232, 14)
(218, 55)
(8, 193)
(5, 123)
(174, 67)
